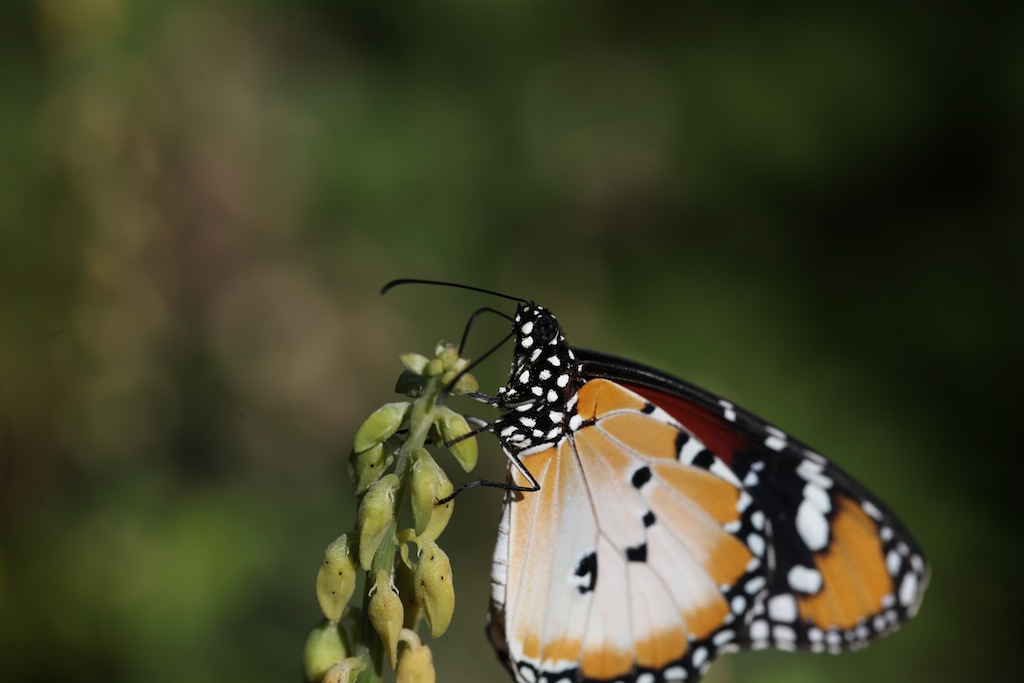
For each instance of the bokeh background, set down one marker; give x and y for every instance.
(815, 212)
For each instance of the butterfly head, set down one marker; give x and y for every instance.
(535, 328)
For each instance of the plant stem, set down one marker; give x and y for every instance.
(421, 417)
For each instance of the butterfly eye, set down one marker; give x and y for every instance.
(545, 330)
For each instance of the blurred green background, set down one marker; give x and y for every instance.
(815, 212)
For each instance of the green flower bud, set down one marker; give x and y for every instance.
(415, 666)
(466, 384)
(366, 467)
(429, 484)
(384, 422)
(336, 580)
(452, 426)
(386, 614)
(325, 647)
(448, 355)
(374, 517)
(434, 368)
(406, 585)
(414, 362)
(433, 583)
(344, 671)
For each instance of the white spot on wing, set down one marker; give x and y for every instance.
(785, 637)
(689, 450)
(893, 562)
(812, 471)
(872, 510)
(804, 579)
(908, 589)
(818, 496)
(757, 519)
(812, 526)
(674, 673)
(720, 469)
(782, 608)
(754, 585)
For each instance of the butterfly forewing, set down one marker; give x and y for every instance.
(843, 568)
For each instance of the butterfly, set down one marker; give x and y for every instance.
(650, 526)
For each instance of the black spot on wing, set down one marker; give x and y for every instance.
(649, 519)
(586, 568)
(682, 438)
(641, 477)
(648, 408)
(704, 459)
(637, 553)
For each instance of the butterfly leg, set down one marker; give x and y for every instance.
(517, 463)
(482, 398)
(482, 426)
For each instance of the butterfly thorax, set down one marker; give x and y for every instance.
(539, 400)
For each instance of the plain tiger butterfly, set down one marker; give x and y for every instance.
(649, 526)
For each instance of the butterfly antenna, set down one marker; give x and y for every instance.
(415, 281)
